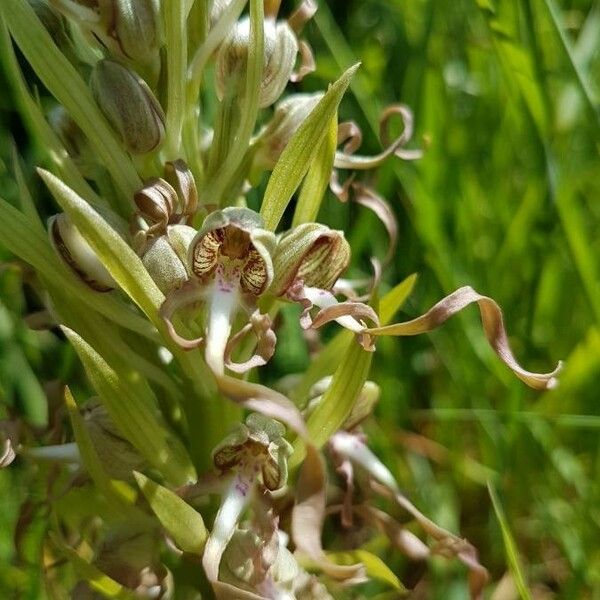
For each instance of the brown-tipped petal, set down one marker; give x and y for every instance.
(261, 325)
(189, 293)
(340, 190)
(307, 62)
(181, 178)
(345, 160)
(367, 197)
(156, 202)
(349, 134)
(302, 15)
(308, 516)
(346, 314)
(493, 325)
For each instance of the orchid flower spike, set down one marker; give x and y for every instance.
(230, 264)
(308, 261)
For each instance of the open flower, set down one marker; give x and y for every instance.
(231, 267)
(253, 457)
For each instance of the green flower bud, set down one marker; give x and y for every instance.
(70, 245)
(258, 442)
(130, 29)
(165, 257)
(290, 113)
(129, 105)
(135, 27)
(312, 253)
(280, 50)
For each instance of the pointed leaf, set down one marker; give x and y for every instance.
(117, 256)
(295, 160)
(132, 415)
(180, 520)
(317, 179)
(374, 566)
(510, 547)
(93, 465)
(29, 242)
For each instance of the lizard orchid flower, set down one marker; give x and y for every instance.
(230, 264)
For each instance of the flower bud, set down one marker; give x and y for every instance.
(312, 253)
(280, 50)
(130, 29)
(290, 113)
(165, 257)
(71, 246)
(129, 105)
(131, 558)
(135, 27)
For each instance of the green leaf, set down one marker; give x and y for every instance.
(65, 84)
(374, 566)
(117, 256)
(93, 465)
(338, 400)
(27, 203)
(27, 240)
(316, 181)
(89, 573)
(131, 414)
(180, 520)
(298, 155)
(512, 554)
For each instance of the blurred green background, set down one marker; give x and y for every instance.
(504, 95)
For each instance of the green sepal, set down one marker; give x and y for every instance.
(179, 519)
